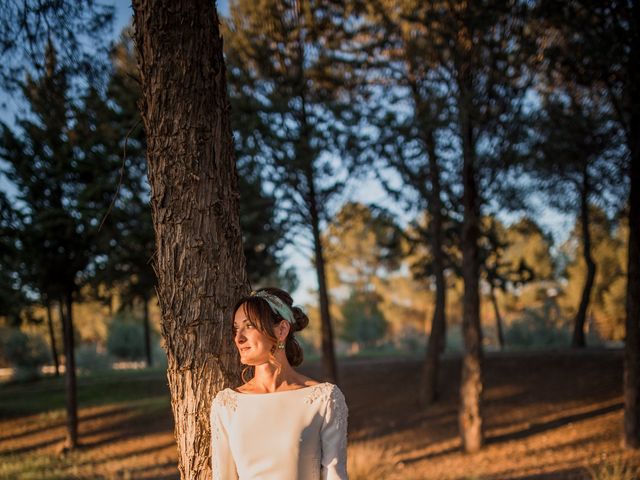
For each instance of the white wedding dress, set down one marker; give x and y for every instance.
(290, 435)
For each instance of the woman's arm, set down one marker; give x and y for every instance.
(222, 463)
(334, 437)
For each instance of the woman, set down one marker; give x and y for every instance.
(280, 424)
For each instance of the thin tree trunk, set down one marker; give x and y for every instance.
(470, 414)
(578, 339)
(329, 369)
(437, 337)
(200, 262)
(71, 440)
(147, 331)
(496, 309)
(52, 338)
(632, 340)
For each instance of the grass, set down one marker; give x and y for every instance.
(144, 392)
(615, 470)
(366, 461)
(48, 394)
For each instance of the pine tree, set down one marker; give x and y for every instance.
(63, 183)
(289, 118)
(194, 198)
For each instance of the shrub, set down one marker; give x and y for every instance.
(125, 339)
(158, 355)
(26, 352)
(89, 358)
(534, 330)
(409, 339)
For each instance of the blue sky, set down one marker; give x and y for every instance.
(367, 191)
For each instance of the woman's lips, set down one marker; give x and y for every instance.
(244, 349)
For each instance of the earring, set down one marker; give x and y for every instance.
(280, 345)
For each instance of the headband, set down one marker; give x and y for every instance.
(276, 305)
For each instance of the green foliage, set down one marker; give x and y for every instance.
(23, 350)
(125, 339)
(12, 299)
(89, 358)
(360, 245)
(287, 110)
(30, 26)
(609, 252)
(534, 330)
(363, 321)
(410, 340)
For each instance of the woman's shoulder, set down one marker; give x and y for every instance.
(224, 399)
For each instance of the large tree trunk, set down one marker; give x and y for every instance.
(329, 369)
(470, 414)
(52, 337)
(578, 339)
(147, 331)
(194, 197)
(437, 340)
(496, 309)
(632, 341)
(71, 440)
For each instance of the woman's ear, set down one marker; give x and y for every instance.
(285, 326)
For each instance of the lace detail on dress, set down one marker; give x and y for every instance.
(321, 390)
(338, 407)
(227, 399)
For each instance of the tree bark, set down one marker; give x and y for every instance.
(66, 312)
(437, 337)
(52, 338)
(470, 414)
(194, 197)
(147, 331)
(496, 309)
(632, 340)
(578, 340)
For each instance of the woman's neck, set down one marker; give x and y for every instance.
(268, 379)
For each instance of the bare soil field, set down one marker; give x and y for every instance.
(548, 415)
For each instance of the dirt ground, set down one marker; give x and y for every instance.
(548, 415)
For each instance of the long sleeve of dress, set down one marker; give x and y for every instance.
(334, 437)
(222, 463)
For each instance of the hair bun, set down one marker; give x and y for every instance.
(301, 318)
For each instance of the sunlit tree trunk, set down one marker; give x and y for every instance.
(194, 197)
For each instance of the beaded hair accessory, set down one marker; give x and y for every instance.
(276, 305)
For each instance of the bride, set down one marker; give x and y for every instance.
(279, 425)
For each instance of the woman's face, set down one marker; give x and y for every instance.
(254, 347)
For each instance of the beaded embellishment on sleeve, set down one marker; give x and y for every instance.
(338, 407)
(319, 391)
(227, 399)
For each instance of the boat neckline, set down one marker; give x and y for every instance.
(280, 391)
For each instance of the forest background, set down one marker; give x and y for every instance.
(418, 156)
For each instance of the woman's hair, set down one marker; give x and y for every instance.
(264, 318)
